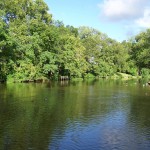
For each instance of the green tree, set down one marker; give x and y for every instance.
(25, 20)
(141, 50)
(71, 56)
(98, 51)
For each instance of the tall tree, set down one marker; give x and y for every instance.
(25, 21)
(141, 50)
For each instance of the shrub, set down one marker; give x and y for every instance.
(145, 72)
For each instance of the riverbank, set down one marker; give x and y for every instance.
(118, 75)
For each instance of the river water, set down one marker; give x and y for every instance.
(89, 115)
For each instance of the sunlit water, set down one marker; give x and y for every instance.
(90, 115)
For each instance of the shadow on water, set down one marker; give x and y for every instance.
(73, 115)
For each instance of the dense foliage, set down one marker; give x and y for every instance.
(33, 46)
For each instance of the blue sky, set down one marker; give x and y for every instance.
(119, 19)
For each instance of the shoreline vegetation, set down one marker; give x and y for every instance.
(118, 76)
(35, 48)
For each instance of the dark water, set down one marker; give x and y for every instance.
(96, 115)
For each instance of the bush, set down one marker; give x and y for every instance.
(145, 72)
(89, 75)
(133, 71)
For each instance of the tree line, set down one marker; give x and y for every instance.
(34, 46)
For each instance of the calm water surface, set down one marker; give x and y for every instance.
(96, 115)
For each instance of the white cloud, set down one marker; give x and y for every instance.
(145, 20)
(123, 10)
